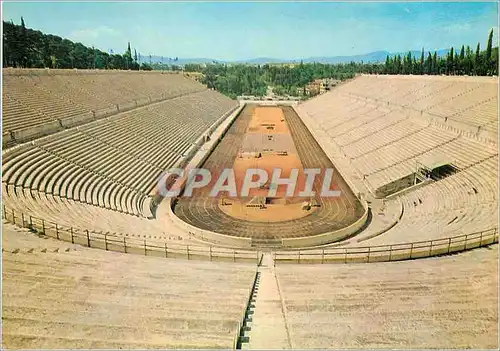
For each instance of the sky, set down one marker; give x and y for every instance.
(245, 30)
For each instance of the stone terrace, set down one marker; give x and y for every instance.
(58, 295)
(38, 102)
(446, 302)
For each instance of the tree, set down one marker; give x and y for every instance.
(146, 67)
(477, 61)
(10, 41)
(450, 65)
(428, 64)
(24, 47)
(94, 58)
(407, 64)
(387, 67)
(53, 61)
(128, 57)
(421, 67)
(399, 65)
(468, 62)
(494, 61)
(461, 61)
(435, 64)
(487, 57)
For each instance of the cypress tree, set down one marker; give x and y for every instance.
(435, 65)
(128, 57)
(461, 61)
(468, 61)
(487, 60)
(422, 62)
(477, 60)
(428, 64)
(450, 63)
(23, 44)
(408, 64)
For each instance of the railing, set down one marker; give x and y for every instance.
(243, 314)
(387, 253)
(111, 242)
(367, 254)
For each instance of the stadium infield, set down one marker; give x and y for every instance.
(333, 213)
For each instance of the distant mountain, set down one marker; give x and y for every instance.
(377, 56)
(264, 60)
(171, 60)
(372, 57)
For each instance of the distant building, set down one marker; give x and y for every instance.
(320, 86)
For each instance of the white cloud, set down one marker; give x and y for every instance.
(458, 27)
(90, 35)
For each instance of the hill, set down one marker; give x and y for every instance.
(371, 57)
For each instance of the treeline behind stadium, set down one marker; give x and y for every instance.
(27, 48)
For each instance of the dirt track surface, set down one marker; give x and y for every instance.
(335, 213)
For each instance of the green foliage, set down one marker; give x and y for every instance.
(490, 66)
(240, 79)
(236, 80)
(24, 47)
(466, 62)
(28, 48)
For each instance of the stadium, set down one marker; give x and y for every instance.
(95, 256)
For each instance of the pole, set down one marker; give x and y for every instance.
(88, 238)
